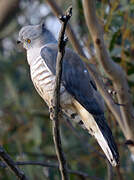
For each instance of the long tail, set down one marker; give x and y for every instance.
(97, 126)
(106, 140)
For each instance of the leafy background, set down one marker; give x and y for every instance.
(25, 127)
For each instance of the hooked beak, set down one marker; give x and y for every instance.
(18, 41)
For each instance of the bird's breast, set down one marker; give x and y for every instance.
(42, 78)
(44, 82)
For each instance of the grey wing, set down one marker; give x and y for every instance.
(77, 81)
(75, 77)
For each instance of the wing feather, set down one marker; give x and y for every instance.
(75, 77)
(79, 83)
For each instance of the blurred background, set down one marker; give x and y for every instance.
(25, 127)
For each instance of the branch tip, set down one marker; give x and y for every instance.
(69, 12)
(65, 39)
(62, 18)
(67, 15)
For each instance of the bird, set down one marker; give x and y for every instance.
(79, 98)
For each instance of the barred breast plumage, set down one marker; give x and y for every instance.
(42, 78)
(44, 81)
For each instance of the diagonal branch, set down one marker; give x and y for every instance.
(113, 70)
(109, 171)
(70, 32)
(7, 11)
(56, 98)
(52, 165)
(11, 164)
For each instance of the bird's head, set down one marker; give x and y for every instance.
(35, 35)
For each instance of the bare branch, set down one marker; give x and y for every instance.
(8, 9)
(120, 177)
(113, 70)
(56, 97)
(52, 165)
(115, 109)
(109, 171)
(70, 32)
(11, 164)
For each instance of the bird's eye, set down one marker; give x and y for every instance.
(28, 41)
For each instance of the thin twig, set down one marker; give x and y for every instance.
(52, 165)
(70, 32)
(11, 164)
(36, 154)
(109, 171)
(56, 98)
(120, 177)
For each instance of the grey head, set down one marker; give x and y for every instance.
(35, 36)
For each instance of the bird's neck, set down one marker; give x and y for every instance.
(47, 37)
(32, 54)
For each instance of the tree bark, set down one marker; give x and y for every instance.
(113, 70)
(8, 8)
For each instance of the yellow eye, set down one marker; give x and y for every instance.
(28, 41)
